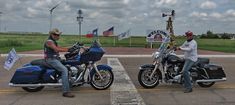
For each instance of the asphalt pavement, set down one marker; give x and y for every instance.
(125, 90)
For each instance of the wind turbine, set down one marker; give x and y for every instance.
(51, 11)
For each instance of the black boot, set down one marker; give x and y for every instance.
(68, 94)
(188, 90)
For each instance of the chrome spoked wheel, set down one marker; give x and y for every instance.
(104, 82)
(146, 81)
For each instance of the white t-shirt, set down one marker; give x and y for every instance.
(190, 50)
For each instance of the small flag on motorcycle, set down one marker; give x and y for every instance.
(11, 59)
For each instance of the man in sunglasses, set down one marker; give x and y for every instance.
(51, 54)
(190, 54)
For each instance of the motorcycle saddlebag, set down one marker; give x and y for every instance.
(24, 75)
(30, 74)
(215, 71)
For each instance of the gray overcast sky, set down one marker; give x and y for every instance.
(137, 15)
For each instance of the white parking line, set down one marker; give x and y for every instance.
(123, 91)
(126, 56)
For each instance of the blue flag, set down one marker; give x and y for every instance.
(124, 35)
(11, 59)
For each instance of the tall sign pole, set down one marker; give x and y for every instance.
(80, 19)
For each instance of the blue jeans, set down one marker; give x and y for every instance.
(56, 64)
(187, 66)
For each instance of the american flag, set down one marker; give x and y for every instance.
(108, 32)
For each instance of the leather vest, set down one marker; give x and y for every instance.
(49, 52)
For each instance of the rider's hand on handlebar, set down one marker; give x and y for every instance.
(178, 48)
(72, 49)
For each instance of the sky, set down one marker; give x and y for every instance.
(139, 16)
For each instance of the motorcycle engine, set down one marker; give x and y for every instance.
(74, 70)
(173, 70)
(194, 75)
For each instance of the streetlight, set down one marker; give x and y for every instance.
(80, 19)
(0, 21)
(51, 10)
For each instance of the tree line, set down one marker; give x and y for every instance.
(210, 35)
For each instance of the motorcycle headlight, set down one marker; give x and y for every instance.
(156, 54)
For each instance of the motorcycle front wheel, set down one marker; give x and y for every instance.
(145, 80)
(101, 84)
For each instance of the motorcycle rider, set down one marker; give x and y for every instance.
(189, 48)
(51, 54)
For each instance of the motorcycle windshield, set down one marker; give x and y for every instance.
(163, 45)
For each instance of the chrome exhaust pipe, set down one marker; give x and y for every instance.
(35, 85)
(212, 80)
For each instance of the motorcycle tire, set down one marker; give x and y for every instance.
(98, 83)
(33, 89)
(205, 84)
(145, 81)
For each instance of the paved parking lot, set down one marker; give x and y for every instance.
(125, 91)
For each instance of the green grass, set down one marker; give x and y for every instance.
(223, 45)
(35, 42)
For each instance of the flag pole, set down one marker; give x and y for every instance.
(114, 41)
(130, 41)
(129, 33)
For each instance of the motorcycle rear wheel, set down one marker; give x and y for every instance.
(145, 81)
(33, 89)
(101, 84)
(205, 84)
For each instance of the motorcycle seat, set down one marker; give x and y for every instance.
(41, 62)
(201, 62)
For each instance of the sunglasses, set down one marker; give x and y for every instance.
(56, 34)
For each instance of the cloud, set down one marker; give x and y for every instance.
(216, 15)
(228, 15)
(139, 15)
(31, 12)
(230, 12)
(165, 2)
(208, 5)
(198, 14)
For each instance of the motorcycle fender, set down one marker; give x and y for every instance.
(150, 66)
(146, 66)
(101, 67)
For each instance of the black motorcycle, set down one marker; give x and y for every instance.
(167, 68)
